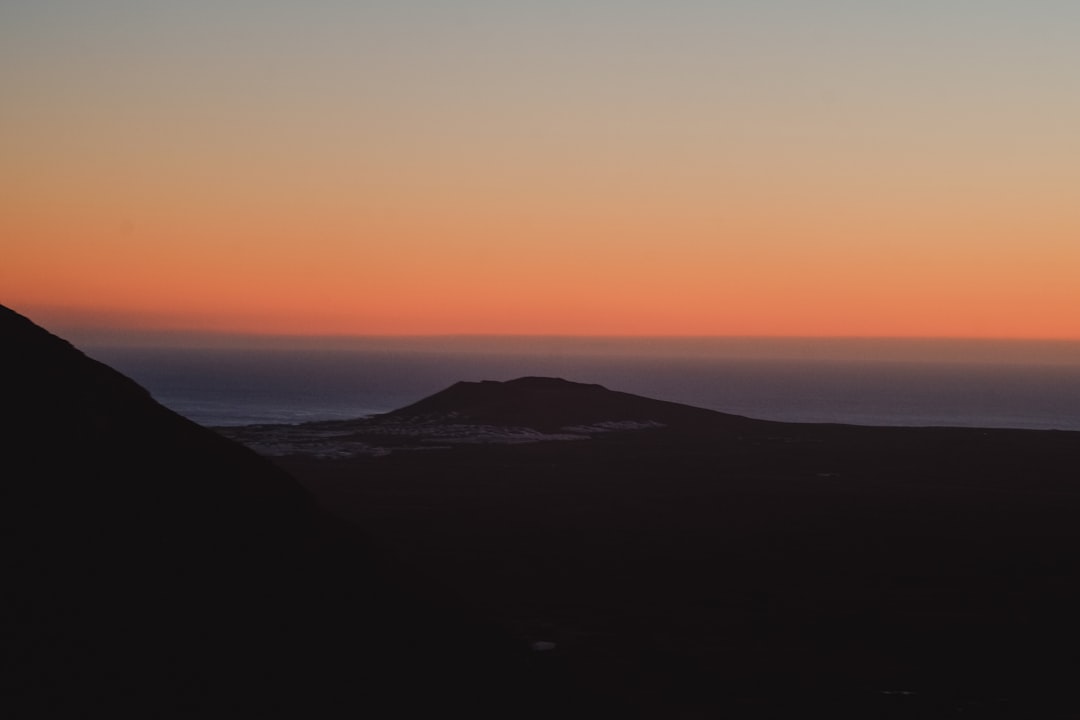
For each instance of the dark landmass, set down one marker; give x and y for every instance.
(697, 564)
(151, 568)
(661, 561)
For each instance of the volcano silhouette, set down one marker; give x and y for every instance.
(551, 404)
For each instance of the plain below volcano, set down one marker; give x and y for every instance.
(708, 565)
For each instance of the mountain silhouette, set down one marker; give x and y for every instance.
(151, 567)
(522, 411)
(550, 404)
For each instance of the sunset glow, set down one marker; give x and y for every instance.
(588, 168)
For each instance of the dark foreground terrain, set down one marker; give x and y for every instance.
(536, 548)
(150, 568)
(696, 564)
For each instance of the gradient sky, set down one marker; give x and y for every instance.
(765, 167)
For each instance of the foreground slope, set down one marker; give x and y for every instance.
(705, 565)
(151, 567)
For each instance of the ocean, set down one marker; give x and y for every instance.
(913, 383)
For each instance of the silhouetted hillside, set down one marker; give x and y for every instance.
(152, 568)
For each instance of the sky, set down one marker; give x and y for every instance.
(852, 168)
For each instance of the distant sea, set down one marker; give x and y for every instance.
(914, 383)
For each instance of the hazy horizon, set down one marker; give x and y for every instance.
(889, 349)
(870, 383)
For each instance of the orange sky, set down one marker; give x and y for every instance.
(603, 170)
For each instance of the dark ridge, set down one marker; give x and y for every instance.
(550, 404)
(152, 568)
